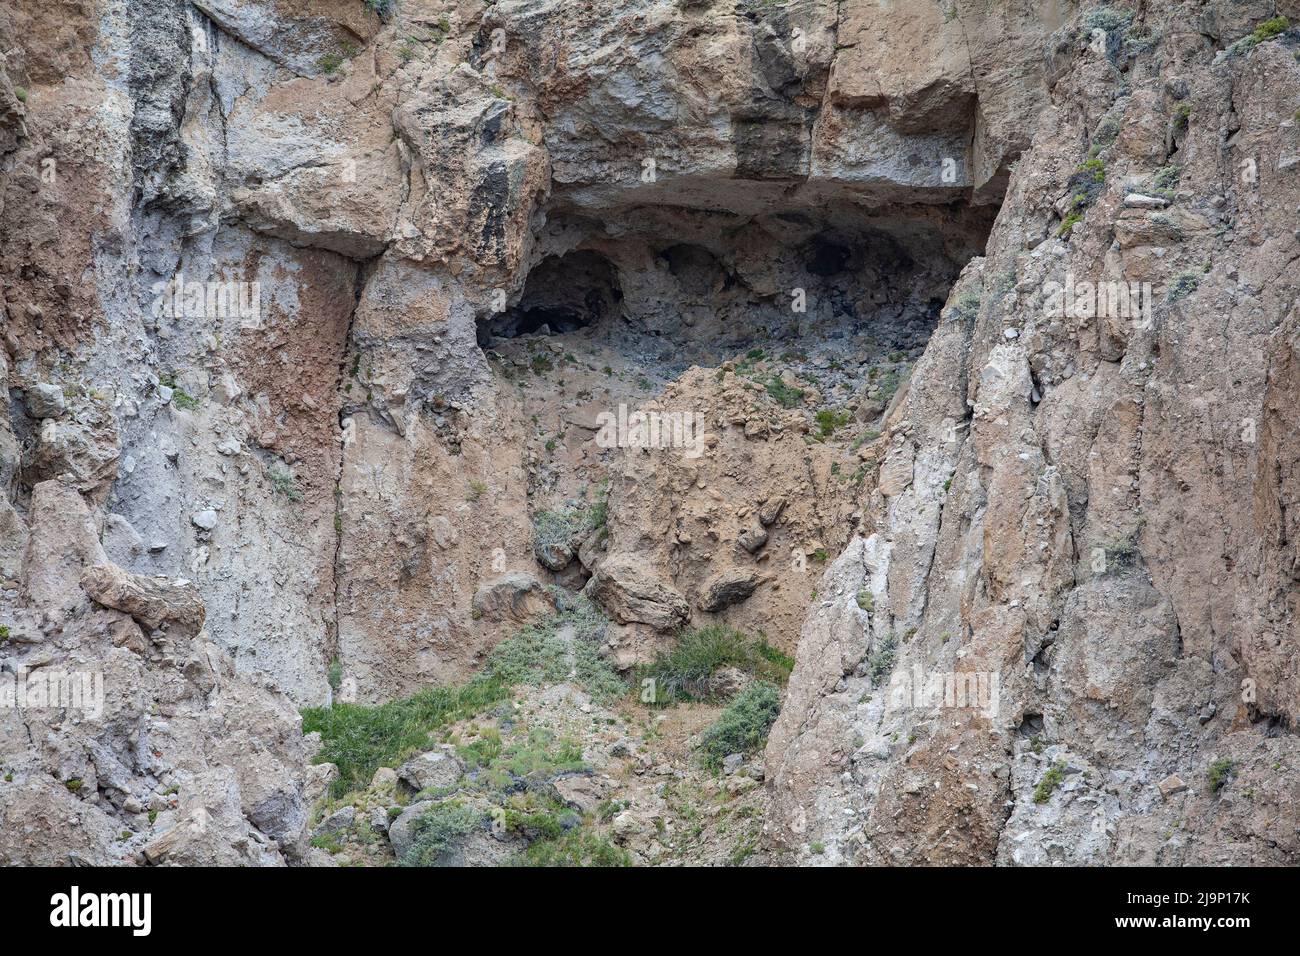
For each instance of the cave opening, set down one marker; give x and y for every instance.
(843, 293)
(562, 294)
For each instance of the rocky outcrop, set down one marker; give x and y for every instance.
(1062, 509)
(127, 718)
(634, 594)
(319, 323)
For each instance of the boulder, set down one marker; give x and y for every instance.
(433, 769)
(728, 587)
(154, 602)
(752, 539)
(771, 510)
(553, 557)
(516, 596)
(633, 593)
(384, 777)
(1171, 785)
(337, 822)
(45, 401)
(581, 792)
(400, 831)
(727, 682)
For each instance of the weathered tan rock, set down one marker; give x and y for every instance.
(1057, 538)
(154, 602)
(517, 596)
(633, 593)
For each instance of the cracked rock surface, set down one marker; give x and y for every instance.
(332, 336)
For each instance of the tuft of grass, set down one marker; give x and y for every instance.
(21, 93)
(1086, 183)
(787, 396)
(4, 632)
(1051, 780)
(575, 848)
(1220, 773)
(476, 490)
(743, 726)
(1107, 131)
(881, 661)
(683, 673)
(781, 662)
(966, 308)
(282, 482)
(180, 397)
(866, 600)
(828, 420)
(361, 739)
(1165, 179)
(1270, 29)
(1104, 18)
(1140, 40)
(1069, 222)
(1184, 284)
(335, 675)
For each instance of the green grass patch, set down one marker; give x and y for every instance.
(1270, 29)
(743, 726)
(575, 848)
(1051, 780)
(539, 654)
(782, 663)
(683, 673)
(828, 420)
(787, 396)
(1220, 773)
(282, 481)
(361, 739)
(881, 660)
(538, 758)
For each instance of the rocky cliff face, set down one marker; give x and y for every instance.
(319, 318)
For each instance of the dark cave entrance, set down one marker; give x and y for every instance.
(563, 293)
(833, 289)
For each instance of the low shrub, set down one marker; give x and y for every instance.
(744, 724)
(683, 673)
(437, 830)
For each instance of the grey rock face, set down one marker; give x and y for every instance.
(400, 831)
(430, 770)
(45, 401)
